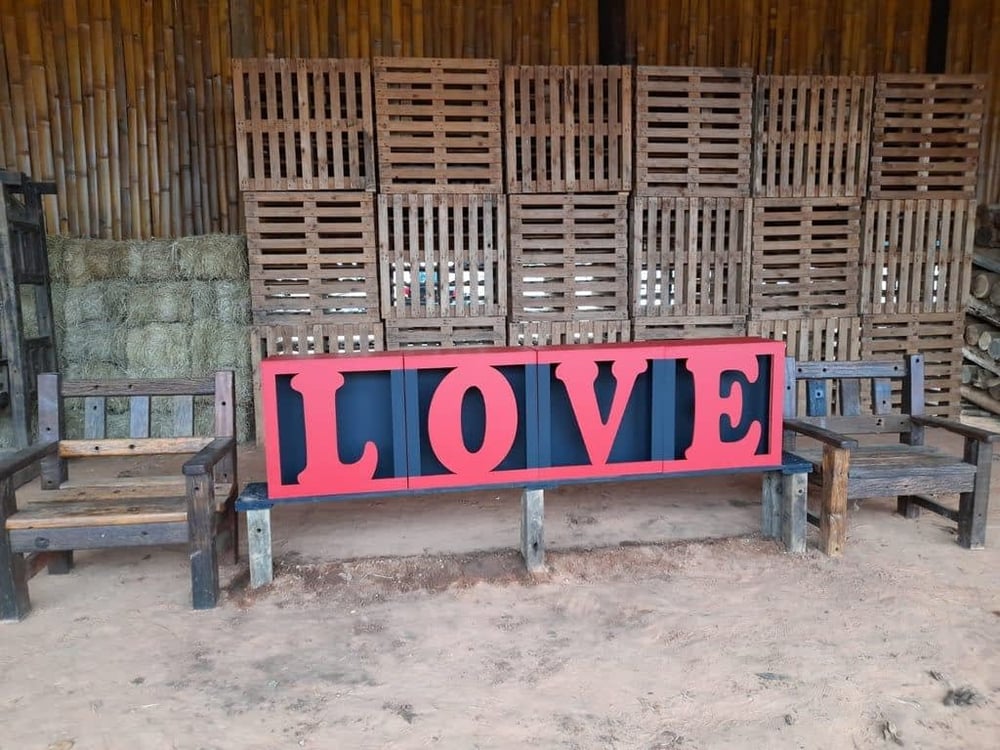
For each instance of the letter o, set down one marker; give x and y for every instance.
(444, 419)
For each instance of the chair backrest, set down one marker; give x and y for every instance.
(856, 397)
(188, 413)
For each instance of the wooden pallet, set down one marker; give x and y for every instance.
(442, 255)
(813, 340)
(652, 328)
(926, 135)
(568, 128)
(312, 256)
(805, 257)
(811, 135)
(304, 124)
(693, 131)
(690, 256)
(306, 339)
(916, 255)
(569, 257)
(554, 332)
(938, 336)
(445, 333)
(438, 124)
(836, 339)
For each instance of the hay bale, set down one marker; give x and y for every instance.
(29, 313)
(168, 302)
(153, 260)
(158, 350)
(114, 295)
(213, 256)
(55, 247)
(88, 260)
(203, 299)
(84, 304)
(216, 345)
(233, 302)
(93, 341)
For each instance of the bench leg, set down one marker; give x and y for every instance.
(770, 505)
(533, 530)
(201, 541)
(972, 506)
(259, 547)
(60, 563)
(793, 511)
(833, 514)
(14, 602)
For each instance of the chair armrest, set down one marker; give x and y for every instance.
(203, 461)
(26, 457)
(823, 435)
(975, 433)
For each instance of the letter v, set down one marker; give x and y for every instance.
(579, 377)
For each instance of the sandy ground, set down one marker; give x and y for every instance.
(409, 623)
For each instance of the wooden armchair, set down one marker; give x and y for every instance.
(848, 469)
(191, 506)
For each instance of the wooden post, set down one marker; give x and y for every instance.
(14, 602)
(532, 529)
(771, 504)
(201, 542)
(972, 506)
(793, 511)
(833, 515)
(60, 562)
(259, 547)
(51, 428)
(912, 404)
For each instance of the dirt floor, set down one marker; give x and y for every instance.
(409, 623)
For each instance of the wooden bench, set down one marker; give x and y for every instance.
(848, 468)
(189, 507)
(783, 516)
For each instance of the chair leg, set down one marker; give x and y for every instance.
(972, 506)
(14, 601)
(833, 515)
(60, 563)
(201, 541)
(906, 507)
(234, 528)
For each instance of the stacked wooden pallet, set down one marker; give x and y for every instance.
(569, 171)
(306, 158)
(442, 214)
(691, 213)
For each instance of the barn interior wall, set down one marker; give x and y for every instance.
(129, 108)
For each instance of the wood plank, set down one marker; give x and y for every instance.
(259, 546)
(162, 387)
(833, 515)
(98, 537)
(87, 513)
(131, 447)
(533, 529)
(200, 512)
(14, 601)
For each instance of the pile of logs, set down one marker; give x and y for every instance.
(981, 368)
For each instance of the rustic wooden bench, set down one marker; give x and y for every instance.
(192, 506)
(783, 515)
(848, 468)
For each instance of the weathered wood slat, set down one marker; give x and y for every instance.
(312, 256)
(64, 514)
(690, 256)
(131, 447)
(445, 332)
(926, 135)
(556, 333)
(655, 327)
(811, 135)
(442, 255)
(297, 118)
(165, 387)
(916, 255)
(569, 257)
(805, 257)
(692, 131)
(568, 128)
(438, 125)
(98, 537)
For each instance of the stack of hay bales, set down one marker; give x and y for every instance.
(153, 309)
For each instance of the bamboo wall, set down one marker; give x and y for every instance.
(128, 105)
